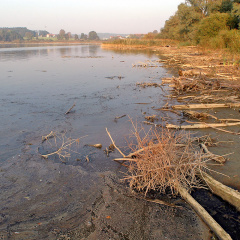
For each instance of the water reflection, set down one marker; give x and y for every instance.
(148, 52)
(24, 52)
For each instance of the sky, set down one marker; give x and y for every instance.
(83, 16)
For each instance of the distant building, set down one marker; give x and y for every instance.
(117, 37)
(50, 35)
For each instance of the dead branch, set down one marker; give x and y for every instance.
(217, 158)
(226, 193)
(200, 106)
(50, 135)
(115, 144)
(198, 115)
(215, 227)
(201, 125)
(120, 116)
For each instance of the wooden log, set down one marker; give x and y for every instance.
(213, 225)
(201, 125)
(202, 106)
(226, 193)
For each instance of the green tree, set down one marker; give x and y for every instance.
(210, 26)
(93, 36)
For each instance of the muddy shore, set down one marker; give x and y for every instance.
(44, 199)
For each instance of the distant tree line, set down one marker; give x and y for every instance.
(66, 36)
(12, 34)
(21, 33)
(212, 22)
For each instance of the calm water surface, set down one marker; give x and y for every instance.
(39, 84)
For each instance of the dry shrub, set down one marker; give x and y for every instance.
(164, 161)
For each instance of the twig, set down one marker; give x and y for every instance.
(114, 144)
(120, 116)
(70, 108)
(217, 158)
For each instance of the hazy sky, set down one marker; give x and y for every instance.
(77, 16)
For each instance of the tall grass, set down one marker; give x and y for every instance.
(142, 42)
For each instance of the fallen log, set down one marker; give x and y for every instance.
(226, 193)
(201, 106)
(217, 158)
(198, 115)
(201, 125)
(213, 225)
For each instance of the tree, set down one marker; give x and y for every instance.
(76, 37)
(93, 36)
(209, 27)
(29, 35)
(205, 6)
(83, 36)
(61, 34)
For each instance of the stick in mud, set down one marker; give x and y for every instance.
(68, 111)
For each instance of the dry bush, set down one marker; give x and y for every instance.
(164, 161)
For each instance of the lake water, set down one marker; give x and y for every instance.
(39, 84)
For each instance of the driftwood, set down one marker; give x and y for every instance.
(198, 115)
(215, 227)
(226, 193)
(201, 106)
(217, 158)
(98, 145)
(68, 111)
(201, 125)
(120, 116)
